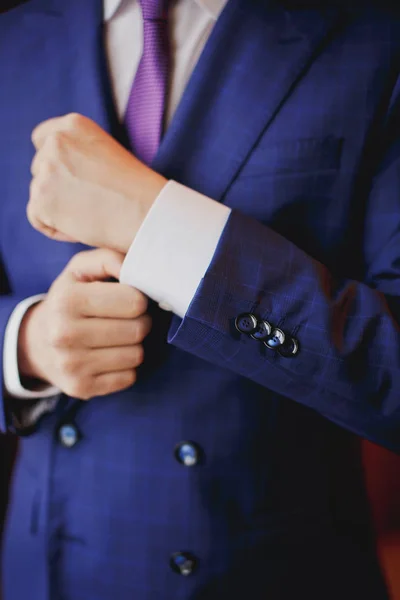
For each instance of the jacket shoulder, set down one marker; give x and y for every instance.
(11, 22)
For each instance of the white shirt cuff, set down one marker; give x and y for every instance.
(174, 246)
(12, 380)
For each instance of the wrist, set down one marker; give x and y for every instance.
(130, 218)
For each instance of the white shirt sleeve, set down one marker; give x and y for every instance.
(12, 380)
(174, 246)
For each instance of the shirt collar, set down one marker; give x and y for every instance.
(213, 7)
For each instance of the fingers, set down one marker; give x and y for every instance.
(84, 334)
(44, 129)
(110, 300)
(100, 385)
(55, 126)
(91, 296)
(108, 333)
(35, 165)
(109, 383)
(95, 265)
(77, 298)
(109, 360)
(79, 374)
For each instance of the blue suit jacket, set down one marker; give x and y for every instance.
(292, 119)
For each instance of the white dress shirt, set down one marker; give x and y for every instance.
(183, 228)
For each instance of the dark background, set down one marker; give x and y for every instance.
(7, 4)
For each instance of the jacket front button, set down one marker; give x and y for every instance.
(68, 435)
(188, 454)
(246, 323)
(183, 563)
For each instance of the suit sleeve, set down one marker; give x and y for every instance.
(8, 302)
(348, 364)
(16, 415)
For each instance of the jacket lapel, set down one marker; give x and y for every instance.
(251, 63)
(255, 56)
(66, 37)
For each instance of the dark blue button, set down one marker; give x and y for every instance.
(275, 340)
(246, 323)
(68, 435)
(262, 332)
(183, 563)
(290, 348)
(188, 454)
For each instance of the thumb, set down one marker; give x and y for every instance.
(95, 265)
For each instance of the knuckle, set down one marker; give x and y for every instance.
(145, 326)
(31, 211)
(47, 171)
(33, 189)
(35, 164)
(124, 380)
(40, 187)
(142, 303)
(132, 312)
(56, 142)
(141, 328)
(80, 259)
(59, 137)
(69, 365)
(35, 135)
(74, 120)
(131, 378)
(78, 388)
(139, 355)
(64, 301)
(61, 335)
(85, 395)
(138, 304)
(75, 262)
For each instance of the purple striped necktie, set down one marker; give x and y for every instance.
(146, 106)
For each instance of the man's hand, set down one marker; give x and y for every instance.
(86, 187)
(85, 337)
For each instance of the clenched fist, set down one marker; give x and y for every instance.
(86, 337)
(86, 187)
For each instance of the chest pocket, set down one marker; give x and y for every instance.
(304, 155)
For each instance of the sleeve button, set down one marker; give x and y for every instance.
(290, 348)
(275, 340)
(246, 323)
(262, 332)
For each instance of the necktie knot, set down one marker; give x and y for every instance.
(154, 10)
